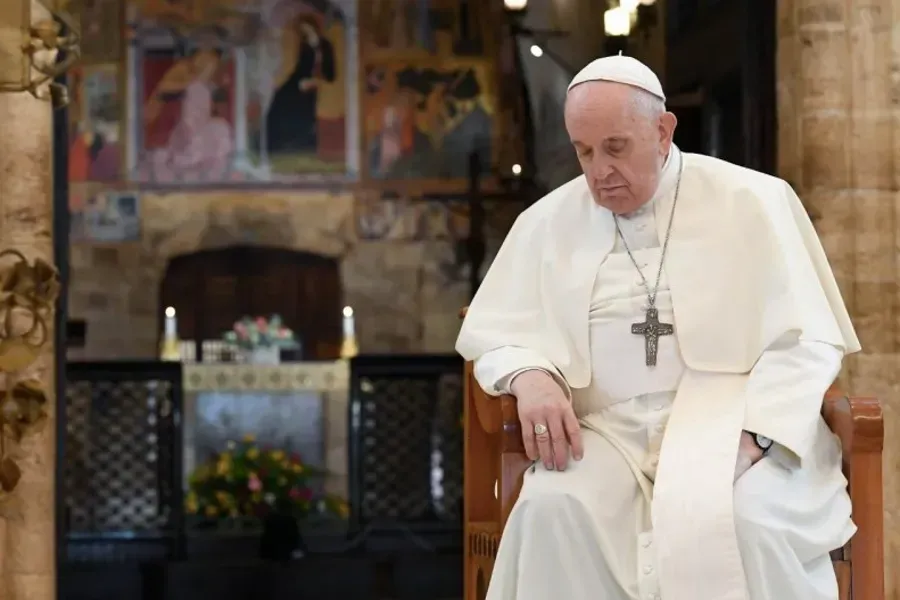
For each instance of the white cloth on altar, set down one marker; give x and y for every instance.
(586, 533)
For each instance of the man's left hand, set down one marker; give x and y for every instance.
(748, 454)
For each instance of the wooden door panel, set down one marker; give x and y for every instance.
(212, 289)
(220, 305)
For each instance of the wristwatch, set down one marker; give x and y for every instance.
(762, 442)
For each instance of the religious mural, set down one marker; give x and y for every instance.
(101, 30)
(187, 111)
(297, 109)
(424, 122)
(95, 149)
(100, 215)
(435, 27)
(189, 12)
(259, 92)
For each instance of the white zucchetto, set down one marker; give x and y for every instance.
(620, 69)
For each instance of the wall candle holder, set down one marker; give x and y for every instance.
(47, 31)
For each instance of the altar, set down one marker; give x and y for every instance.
(295, 407)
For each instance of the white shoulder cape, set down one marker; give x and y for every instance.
(744, 265)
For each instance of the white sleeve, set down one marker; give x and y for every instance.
(786, 389)
(495, 370)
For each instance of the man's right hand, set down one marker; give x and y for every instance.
(541, 401)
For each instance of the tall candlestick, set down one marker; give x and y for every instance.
(349, 349)
(170, 346)
(171, 326)
(349, 323)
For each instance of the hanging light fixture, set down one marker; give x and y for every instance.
(630, 5)
(515, 6)
(617, 22)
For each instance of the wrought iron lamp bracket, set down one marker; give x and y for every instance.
(44, 42)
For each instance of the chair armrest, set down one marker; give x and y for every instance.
(858, 422)
(512, 428)
(499, 415)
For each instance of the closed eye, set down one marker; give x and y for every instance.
(616, 145)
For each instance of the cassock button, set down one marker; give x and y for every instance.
(647, 543)
(658, 408)
(654, 461)
(648, 569)
(659, 428)
(653, 597)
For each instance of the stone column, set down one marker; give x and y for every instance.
(837, 145)
(27, 532)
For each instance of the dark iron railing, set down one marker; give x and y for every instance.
(122, 461)
(406, 438)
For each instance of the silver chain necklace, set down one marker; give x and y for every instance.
(651, 328)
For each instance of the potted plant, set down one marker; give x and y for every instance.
(247, 484)
(262, 340)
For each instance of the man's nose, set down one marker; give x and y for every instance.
(601, 170)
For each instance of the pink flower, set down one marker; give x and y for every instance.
(254, 483)
(261, 325)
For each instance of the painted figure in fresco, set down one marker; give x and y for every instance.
(291, 123)
(448, 122)
(200, 145)
(95, 151)
(395, 110)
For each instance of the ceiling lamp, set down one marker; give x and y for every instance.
(515, 6)
(630, 5)
(617, 22)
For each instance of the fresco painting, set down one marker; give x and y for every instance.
(253, 95)
(424, 123)
(95, 149)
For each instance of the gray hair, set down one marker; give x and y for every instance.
(647, 104)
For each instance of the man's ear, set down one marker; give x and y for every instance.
(667, 124)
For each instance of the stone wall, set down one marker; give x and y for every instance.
(838, 113)
(400, 262)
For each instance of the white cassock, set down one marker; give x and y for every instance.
(652, 511)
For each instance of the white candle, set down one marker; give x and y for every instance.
(171, 327)
(349, 326)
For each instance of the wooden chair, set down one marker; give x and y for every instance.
(495, 463)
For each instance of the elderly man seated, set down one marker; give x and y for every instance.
(669, 324)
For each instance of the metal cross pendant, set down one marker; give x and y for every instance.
(651, 329)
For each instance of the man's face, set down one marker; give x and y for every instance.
(621, 143)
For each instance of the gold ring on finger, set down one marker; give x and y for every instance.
(540, 429)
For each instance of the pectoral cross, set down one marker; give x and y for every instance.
(651, 329)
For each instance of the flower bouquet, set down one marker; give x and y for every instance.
(262, 339)
(247, 481)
